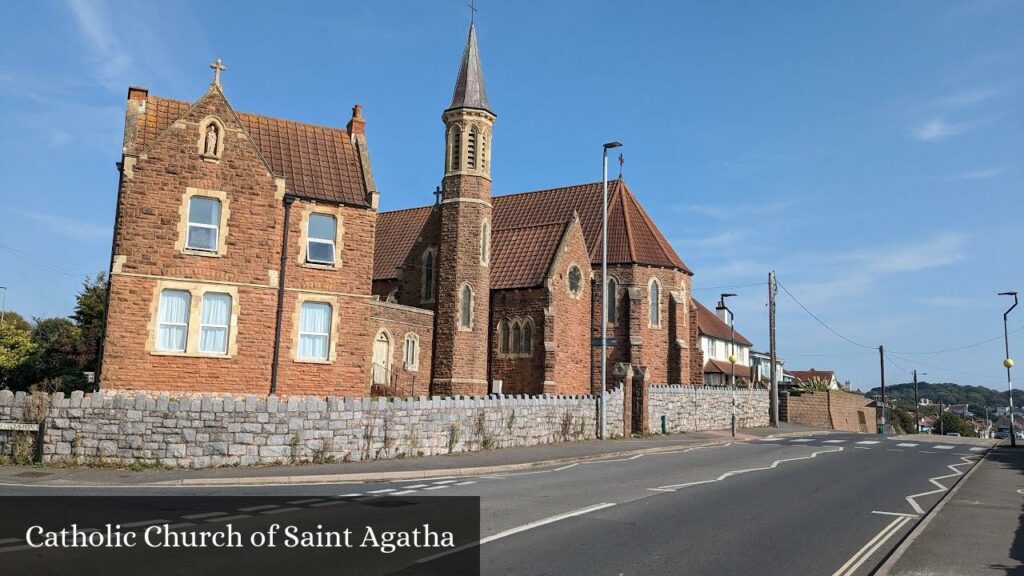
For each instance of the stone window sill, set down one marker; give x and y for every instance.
(189, 354)
(205, 253)
(318, 266)
(209, 158)
(313, 361)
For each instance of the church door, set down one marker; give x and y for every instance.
(382, 359)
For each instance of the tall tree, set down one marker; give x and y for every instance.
(16, 351)
(57, 359)
(90, 316)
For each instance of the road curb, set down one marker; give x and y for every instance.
(909, 539)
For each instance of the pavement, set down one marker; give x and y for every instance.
(978, 529)
(804, 503)
(455, 465)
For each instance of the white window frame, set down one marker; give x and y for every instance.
(216, 227)
(328, 334)
(654, 305)
(226, 327)
(412, 344)
(466, 326)
(185, 324)
(310, 240)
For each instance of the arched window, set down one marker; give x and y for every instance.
(466, 307)
(412, 351)
(654, 294)
(503, 342)
(517, 337)
(485, 242)
(471, 149)
(612, 297)
(427, 290)
(455, 160)
(528, 336)
(393, 296)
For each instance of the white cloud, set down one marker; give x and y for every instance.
(111, 57)
(981, 174)
(939, 129)
(736, 212)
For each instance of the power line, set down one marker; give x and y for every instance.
(958, 348)
(820, 321)
(896, 364)
(954, 370)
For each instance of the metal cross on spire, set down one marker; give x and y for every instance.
(472, 11)
(622, 160)
(217, 67)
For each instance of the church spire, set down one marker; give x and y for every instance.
(470, 91)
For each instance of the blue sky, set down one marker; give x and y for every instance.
(869, 152)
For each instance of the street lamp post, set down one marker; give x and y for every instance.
(604, 286)
(3, 305)
(917, 405)
(1008, 362)
(732, 358)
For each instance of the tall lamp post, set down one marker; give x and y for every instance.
(732, 357)
(3, 306)
(604, 285)
(1008, 362)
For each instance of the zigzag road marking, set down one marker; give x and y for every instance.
(674, 487)
(941, 488)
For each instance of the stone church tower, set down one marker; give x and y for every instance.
(464, 257)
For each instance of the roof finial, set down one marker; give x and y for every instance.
(472, 11)
(622, 160)
(217, 67)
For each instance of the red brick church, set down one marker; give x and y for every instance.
(249, 256)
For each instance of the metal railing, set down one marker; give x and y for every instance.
(385, 381)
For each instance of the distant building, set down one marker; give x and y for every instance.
(716, 340)
(807, 376)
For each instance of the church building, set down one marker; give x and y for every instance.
(250, 256)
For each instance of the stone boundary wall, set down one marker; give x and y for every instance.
(692, 409)
(197, 431)
(829, 410)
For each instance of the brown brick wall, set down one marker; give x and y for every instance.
(519, 374)
(399, 321)
(567, 324)
(460, 361)
(831, 410)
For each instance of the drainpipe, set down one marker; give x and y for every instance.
(288, 201)
(490, 330)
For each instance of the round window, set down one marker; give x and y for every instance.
(575, 280)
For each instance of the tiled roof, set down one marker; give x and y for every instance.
(808, 375)
(720, 367)
(396, 233)
(633, 238)
(521, 257)
(709, 324)
(317, 162)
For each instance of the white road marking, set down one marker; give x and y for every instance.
(257, 508)
(143, 523)
(381, 491)
(179, 525)
(437, 487)
(614, 460)
(978, 449)
(863, 447)
(464, 483)
(522, 528)
(445, 482)
(893, 450)
(331, 503)
(204, 515)
(868, 442)
(928, 452)
(674, 487)
(834, 441)
(941, 488)
(9, 540)
(352, 495)
(802, 440)
(281, 510)
(566, 467)
(851, 565)
(907, 445)
(894, 514)
(942, 447)
(403, 492)
(307, 501)
(229, 518)
(414, 486)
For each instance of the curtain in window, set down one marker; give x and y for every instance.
(215, 315)
(314, 330)
(173, 320)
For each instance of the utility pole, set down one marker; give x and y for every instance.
(1008, 363)
(771, 350)
(942, 427)
(917, 404)
(3, 306)
(881, 361)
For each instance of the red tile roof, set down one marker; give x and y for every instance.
(633, 238)
(396, 233)
(808, 375)
(317, 162)
(720, 367)
(709, 324)
(523, 256)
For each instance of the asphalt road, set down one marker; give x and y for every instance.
(832, 504)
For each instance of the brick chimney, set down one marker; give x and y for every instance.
(722, 312)
(356, 125)
(137, 93)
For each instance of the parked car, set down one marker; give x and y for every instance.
(952, 433)
(1002, 433)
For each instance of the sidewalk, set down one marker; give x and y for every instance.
(464, 464)
(978, 530)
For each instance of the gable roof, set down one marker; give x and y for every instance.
(633, 238)
(808, 375)
(395, 235)
(522, 257)
(709, 324)
(713, 366)
(317, 162)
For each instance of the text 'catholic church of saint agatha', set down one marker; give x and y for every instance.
(250, 257)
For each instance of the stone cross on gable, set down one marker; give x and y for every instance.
(217, 67)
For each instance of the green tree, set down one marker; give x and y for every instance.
(90, 316)
(57, 359)
(950, 422)
(903, 420)
(16, 351)
(17, 320)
